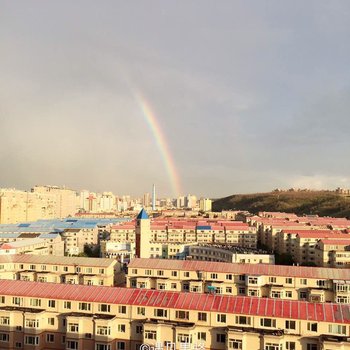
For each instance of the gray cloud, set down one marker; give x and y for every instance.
(250, 96)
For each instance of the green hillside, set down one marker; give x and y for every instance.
(323, 203)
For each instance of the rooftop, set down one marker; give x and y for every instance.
(240, 269)
(55, 260)
(325, 312)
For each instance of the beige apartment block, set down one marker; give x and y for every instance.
(260, 280)
(43, 202)
(54, 269)
(35, 246)
(227, 253)
(333, 253)
(159, 237)
(69, 317)
(75, 239)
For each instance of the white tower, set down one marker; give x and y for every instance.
(154, 197)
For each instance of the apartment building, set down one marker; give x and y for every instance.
(306, 244)
(54, 269)
(227, 253)
(333, 253)
(75, 239)
(70, 317)
(38, 246)
(312, 284)
(43, 202)
(167, 237)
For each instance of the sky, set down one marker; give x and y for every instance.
(249, 96)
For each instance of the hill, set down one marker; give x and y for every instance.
(323, 203)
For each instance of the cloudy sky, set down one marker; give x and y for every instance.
(249, 96)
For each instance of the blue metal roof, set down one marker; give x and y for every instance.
(142, 215)
(203, 227)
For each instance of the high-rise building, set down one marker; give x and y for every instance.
(154, 197)
(205, 204)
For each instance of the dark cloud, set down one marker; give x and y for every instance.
(250, 96)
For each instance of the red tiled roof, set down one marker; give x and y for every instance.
(336, 241)
(249, 269)
(326, 312)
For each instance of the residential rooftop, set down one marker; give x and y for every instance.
(265, 307)
(240, 269)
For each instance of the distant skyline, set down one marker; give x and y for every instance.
(245, 96)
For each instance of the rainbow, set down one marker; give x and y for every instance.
(157, 132)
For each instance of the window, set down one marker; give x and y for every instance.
(235, 344)
(85, 306)
(242, 278)
(186, 274)
(32, 323)
(174, 273)
(321, 283)
(202, 316)
(184, 338)
(273, 346)
(221, 318)
(253, 280)
(241, 290)
(290, 324)
(302, 295)
(139, 329)
(50, 338)
(173, 285)
(2, 299)
(276, 294)
(4, 320)
(121, 328)
(122, 309)
(101, 271)
(141, 311)
(35, 302)
(244, 320)
(214, 276)
(67, 304)
(103, 330)
(268, 322)
(184, 315)
(104, 308)
(272, 279)
(229, 276)
(303, 281)
(289, 280)
(31, 340)
(148, 272)
(290, 345)
(17, 301)
(160, 313)
(221, 338)
(312, 327)
(120, 345)
(202, 336)
(337, 329)
(150, 334)
(4, 337)
(160, 272)
(100, 346)
(72, 344)
(18, 345)
(73, 327)
(52, 303)
(229, 290)
(311, 346)
(51, 321)
(288, 294)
